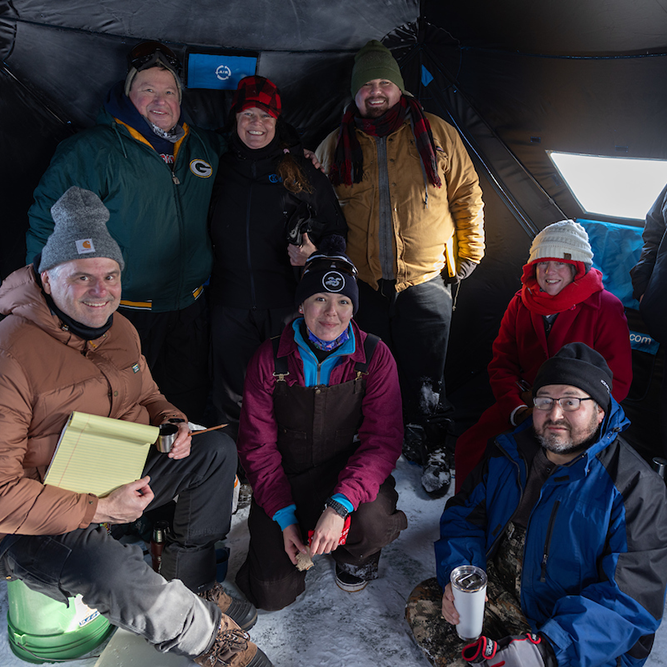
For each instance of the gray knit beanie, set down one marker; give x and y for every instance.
(374, 61)
(564, 240)
(80, 230)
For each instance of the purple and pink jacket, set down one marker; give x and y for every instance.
(380, 434)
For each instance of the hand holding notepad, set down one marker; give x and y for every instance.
(98, 454)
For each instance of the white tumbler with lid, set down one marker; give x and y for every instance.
(469, 588)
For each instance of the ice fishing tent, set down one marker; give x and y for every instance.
(518, 78)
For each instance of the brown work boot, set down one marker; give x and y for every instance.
(242, 612)
(232, 648)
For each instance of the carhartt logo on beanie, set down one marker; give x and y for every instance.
(80, 230)
(84, 246)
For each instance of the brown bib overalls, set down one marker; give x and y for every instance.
(316, 437)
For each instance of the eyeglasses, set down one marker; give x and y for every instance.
(146, 52)
(567, 403)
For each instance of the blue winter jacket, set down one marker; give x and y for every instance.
(595, 560)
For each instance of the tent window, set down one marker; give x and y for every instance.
(612, 186)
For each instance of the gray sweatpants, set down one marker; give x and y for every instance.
(114, 578)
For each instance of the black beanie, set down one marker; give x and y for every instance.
(329, 269)
(578, 365)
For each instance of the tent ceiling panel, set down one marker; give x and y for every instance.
(556, 27)
(252, 24)
(69, 71)
(597, 106)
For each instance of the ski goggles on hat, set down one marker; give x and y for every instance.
(147, 54)
(331, 263)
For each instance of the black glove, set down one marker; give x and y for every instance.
(527, 650)
(464, 267)
(300, 222)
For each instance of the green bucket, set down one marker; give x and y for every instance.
(44, 630)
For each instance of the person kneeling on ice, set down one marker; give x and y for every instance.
(320, 432)
(64, 348)
(570, 525)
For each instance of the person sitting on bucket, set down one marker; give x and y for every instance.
(63, 348)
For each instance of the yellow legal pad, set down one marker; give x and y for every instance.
(98, 454)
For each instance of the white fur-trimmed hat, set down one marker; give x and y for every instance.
(566, 240)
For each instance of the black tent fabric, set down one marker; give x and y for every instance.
(60, 59)
(515, 77)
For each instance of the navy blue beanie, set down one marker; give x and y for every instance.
(329, 269)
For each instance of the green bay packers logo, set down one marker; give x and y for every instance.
(201, 168)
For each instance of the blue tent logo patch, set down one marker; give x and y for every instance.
(219, 71)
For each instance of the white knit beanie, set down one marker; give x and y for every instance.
(564, 240)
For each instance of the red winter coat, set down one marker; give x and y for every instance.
(380, 435)
(522, 347)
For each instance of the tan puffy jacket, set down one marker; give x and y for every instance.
(46, 372)
(428, 236)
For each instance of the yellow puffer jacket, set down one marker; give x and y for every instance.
(46, 372)
(430, 232)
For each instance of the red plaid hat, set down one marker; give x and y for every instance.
(257, 91)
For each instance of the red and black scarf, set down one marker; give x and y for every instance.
(348, 164)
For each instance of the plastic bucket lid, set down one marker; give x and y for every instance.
(41, 629)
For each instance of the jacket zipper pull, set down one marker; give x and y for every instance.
(174, 178)
(543, 576)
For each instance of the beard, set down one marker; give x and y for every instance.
(375, 112)
(573, 441)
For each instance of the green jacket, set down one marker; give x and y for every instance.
(159, 221)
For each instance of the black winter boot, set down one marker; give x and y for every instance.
(437, 476)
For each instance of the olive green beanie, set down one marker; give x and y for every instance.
(374, 61)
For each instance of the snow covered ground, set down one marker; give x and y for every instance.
(327, 627)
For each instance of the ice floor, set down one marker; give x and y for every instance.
(327, 627)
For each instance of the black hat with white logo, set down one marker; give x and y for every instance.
(329, 269)
(580, 366)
